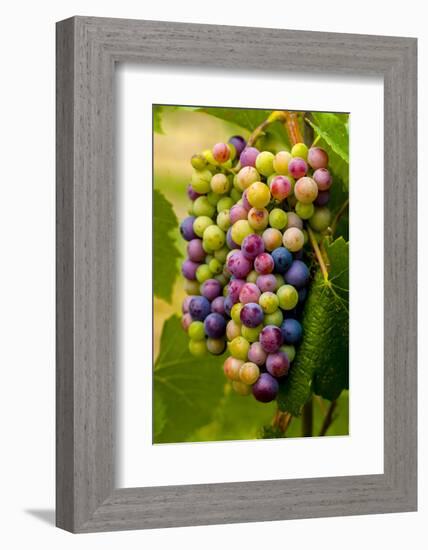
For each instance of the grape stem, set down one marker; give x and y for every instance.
(282, 420)
(338, 216)
(318, 254)
(329, 418)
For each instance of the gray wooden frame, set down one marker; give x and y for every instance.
(87, 50)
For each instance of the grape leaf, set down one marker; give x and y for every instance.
(333, 128)
(165, 251)
(189, 387)
(246, 118)
(157, 119)
(322, 362)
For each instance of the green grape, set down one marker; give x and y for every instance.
(202, 207)
(235, 195)
(239, 347)
(290, 351)
(221, 279)
(199, 162)
(320, 219)
(214, 237)
(198, 348)
(223, 220)
(213, 198)
(220, 184)
(279, 280)
(299, 150)
(258, 194)
(224, 203)
(190, 209)
(280, 162)
(251, 334)
(209, 157)
(201, 181)
(304, 211)
(215, 266)
(191, 287)
(249, 373)
(235, 312)
(276, 318)
(288, 297)
(221, 254)
(208, 258)
(203, 273)
(241, 388)
(252, 276)
(264, 163)
(269, 302)
(196, 330)
(240, 230)
(207, 248)
(200, 224)
(278, 218)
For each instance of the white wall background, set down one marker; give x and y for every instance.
(27, 272)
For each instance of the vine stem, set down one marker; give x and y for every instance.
(328, 419)
(318, 254)
(307, 418)
(338, 216)
(282, 420)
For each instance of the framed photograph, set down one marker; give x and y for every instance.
(236, 274)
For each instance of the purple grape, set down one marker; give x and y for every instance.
(271, 338)
(238, 265)
(191, 193)
(229, 241)
(228, 304)
(217, 305)
(322, 178)
(251, 315)
(266, 388)
(252, 246)
(282, 258)
(297, 168)
(248, 156)
(266, 283)
(188, 269)
(237, 212)
(199, 308)
(195, 250)
(185, 304)
(245, 202)
(322, 198)
(211, 289)
(186, 228)
(239, 143)
(298, 274)
(291, 331)
(250, 293)
(215, 325)
(277, 364)
(264, 263)
(234, 288)
(257, 354)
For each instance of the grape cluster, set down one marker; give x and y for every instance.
(246, 271)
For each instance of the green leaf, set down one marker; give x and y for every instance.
(322, 361)
(165, 251)
(189, 387)
(246, 118)
(157, 119)
(333, 129)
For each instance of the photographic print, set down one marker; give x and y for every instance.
(250, 273)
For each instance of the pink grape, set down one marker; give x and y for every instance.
(250, 292)
(257, 354)
(317, 158)
(277, 364)
(248, 156)
(280, 187)
(234, 288)
(297, 167)
(221, 152)
(185, 305)
(237, 212)
(245, 202)
(267, 283)
(264, 264)
(186, 321)
(322, 178)
(306, 190)
(238, 265)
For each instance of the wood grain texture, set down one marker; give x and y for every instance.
(87, 50)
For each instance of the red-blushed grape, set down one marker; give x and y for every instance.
(272, 238)
(221, 152)
(271, 338)
(276, 318)
(250, 292)
(252, 276)
(186, 321)
(293, 220)
(264, 163)
(287, 296)
(266, 283)
(191, 287)
(244, 200)
(306, 190)
(195, 251)
(258, 218)
(201, 181)
(237, 212)
(236, 312)
(289, 350)
(266, 388)
(322, 178)
(241, 388)
(231, 368)
(240, 230)
(322, 199)
(196, 330)
(238, 265)
(280, 187)
(277, 364)
(293, 239)
(214, 237)
(200, 224)
(185, 304)
(257, 354)
(264, 264)
(320, 219)
(280, 162)
(239, 347)
(220, 184)
(258, 194)
(304, 211)
(216, 346)
(211, 289)
(248, 156)
(191, 193)
(251, 315)
(298, 275)
(232, 330)
(278, 218)
(239, 144)
(269, 302)
(246, 176)
(299, 150)
(252, 246)
(234, 288)
(317, 158)
(297, 167)
(249, 373)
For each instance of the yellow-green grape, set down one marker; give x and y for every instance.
(320, 219)
(221, 254)
(251, 334)
(223, 220)
(190, 209)
(215, 266)
(279, 280)
(249, 373)
(278, 218)
(288, 297)
(213, 198)
(293, 239)
(269, 302)
(235, 195)
(203, 273)
(258, 194)
(235, 312)
(209, 157)
(258, 218)
(272, 238)
(199, 162)
(202, 207)
(252, 276)
(299, 150)
(241, 388)
(231, 368)
(233, 330)
(276, 318)
(220, 184)
(201, 181)
(240, 230)
(246, 176)
(290, 351)
(304, 211)
(214, 237)
(280, 162)
(191, 287)
(222, 279)
(232, 150)
(306, 190)
(198, 348)
(239, 347)
(225, 203)
(216, 346)
(196, 330)
(208, 258)
(200, 224)
(264, 163)
(207, 248)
